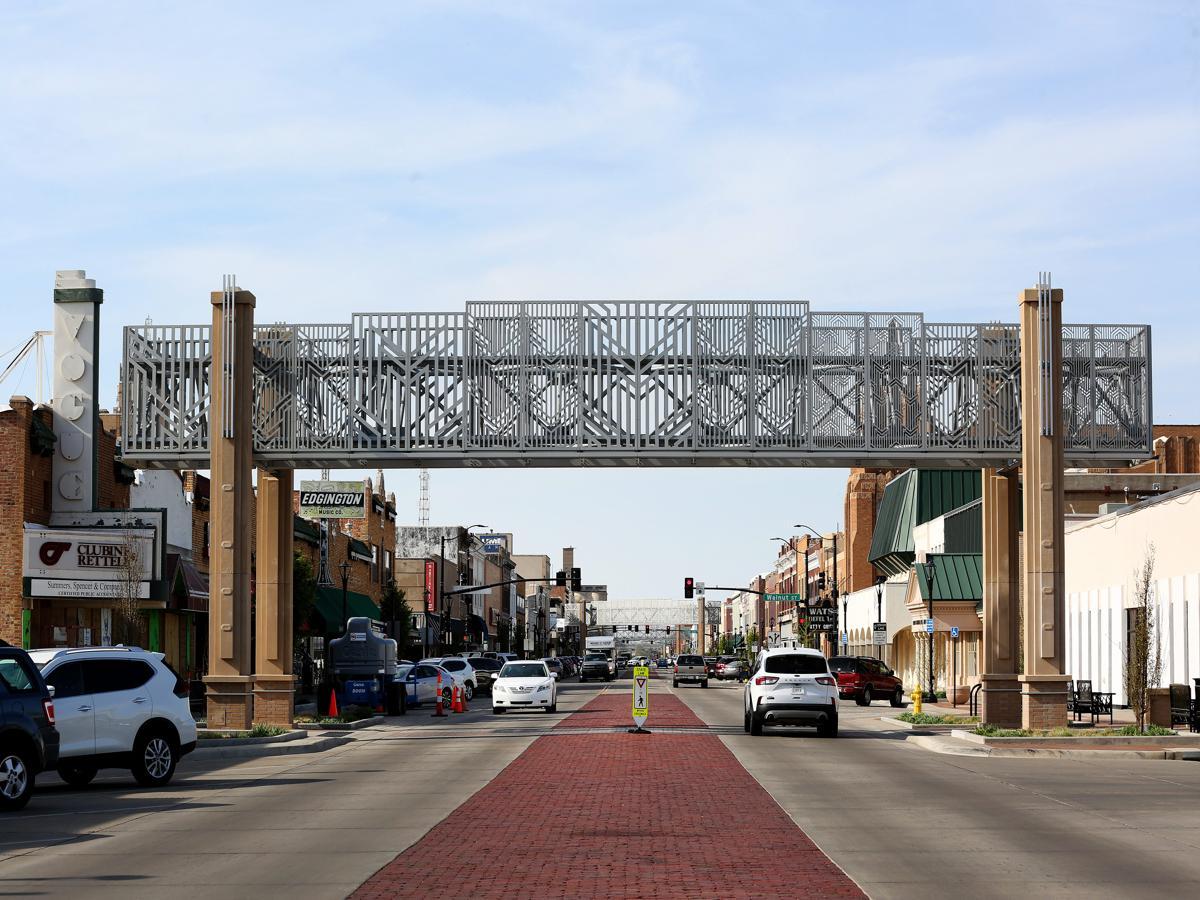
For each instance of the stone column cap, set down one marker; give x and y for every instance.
(240, 297)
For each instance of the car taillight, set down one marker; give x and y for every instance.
(765, 679)
(48, 706)
(826, 679)
(677, 670)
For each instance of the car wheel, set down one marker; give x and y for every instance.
(16, 780)
(469, 690)
(828, 728)
(447, 697)
(898, 697)
(756, 723)
(77, 776)
(553, 707)
(866, 697)
(154, 759)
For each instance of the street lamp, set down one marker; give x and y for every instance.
(442, 575)
(344, 568)
(834, 593)
(878, 608)
(931, 696)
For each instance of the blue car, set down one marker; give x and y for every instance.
(421, 683)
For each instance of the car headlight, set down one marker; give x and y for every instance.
(546, 686)
(499, 688)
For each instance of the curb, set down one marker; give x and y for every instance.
(945, 728)
(946, 745)
(288, 748)
(209, 743)
(341, 726)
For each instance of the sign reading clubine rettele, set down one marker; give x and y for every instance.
(332, 500)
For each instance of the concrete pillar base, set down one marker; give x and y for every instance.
(1000, 700)
(274, 699)
(1044, 701)
(230, 700)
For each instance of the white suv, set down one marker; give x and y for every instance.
(117, 707)
(794, 687)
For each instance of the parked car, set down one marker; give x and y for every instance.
(485, 672)
(730, 671)
(598, 665)
(506, 657)
(864, 678)
(569, 666)
(420, 682)
(719, 668)
(554, 664)
(460, 671)
(662, 662)
(690, 668)
(117, 707)
(29, 742)
(791, 686)
(710, 663)
(525, 685)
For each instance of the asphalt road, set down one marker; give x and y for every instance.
(906, 822)
(901, 821)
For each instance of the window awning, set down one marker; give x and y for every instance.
(328, 606)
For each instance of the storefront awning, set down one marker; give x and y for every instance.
(329, 607)
(189, 586)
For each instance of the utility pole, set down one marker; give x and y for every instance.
(700, 623)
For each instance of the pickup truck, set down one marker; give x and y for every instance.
(598, 665)
(690, 667)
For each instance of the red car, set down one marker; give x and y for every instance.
(864, 678)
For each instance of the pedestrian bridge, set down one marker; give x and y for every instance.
(634, 383)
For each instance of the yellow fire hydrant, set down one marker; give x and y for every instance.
(916, 699)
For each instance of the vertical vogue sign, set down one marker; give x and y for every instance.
(332, 500)
(430, 586)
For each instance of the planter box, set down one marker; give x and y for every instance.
(1183, 741)
(931, 729)
(205, 739)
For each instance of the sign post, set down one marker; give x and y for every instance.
(641, 699)
(879, 634)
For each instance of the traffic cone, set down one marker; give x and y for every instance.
(333, 710)
(456, 700)
(438, 711)
(464, 699)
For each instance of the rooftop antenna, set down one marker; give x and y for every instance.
(423, 502)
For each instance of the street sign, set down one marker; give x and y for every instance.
(929, 627)
(953, 631)
(879, 634)
(641, 695)
(823, 618)
(845, 639)
(698, 587)
(784, 598)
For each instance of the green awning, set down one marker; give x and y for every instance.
(328, 606)
(913, 498)
(956, 576)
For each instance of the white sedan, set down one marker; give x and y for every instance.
(526, 684)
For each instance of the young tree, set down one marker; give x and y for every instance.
(304, 590)
(1143, 662)
(127, 614)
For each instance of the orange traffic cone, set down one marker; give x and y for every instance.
(439, 711)
(456, 700)
(333, 710)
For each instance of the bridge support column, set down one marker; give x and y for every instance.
(274, 683)
(229, 683)
(1044, 681)
(1001, 695)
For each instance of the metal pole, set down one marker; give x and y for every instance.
(878, 613)
(954, 676)
(441, 584)
(807, 545)
(932, 645)
(836, 594)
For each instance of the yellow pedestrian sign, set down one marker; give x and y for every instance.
(641, 696)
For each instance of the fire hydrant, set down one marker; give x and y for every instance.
(916, 699)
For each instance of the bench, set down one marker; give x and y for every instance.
(1183, 708)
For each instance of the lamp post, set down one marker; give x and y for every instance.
(791, 545)
(834, 593)
(878, 609)
(442, 575)
(931, 695)
(344, 568)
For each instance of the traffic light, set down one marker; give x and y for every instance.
(820, 581)
(560, 578)
(576, 579)
(668, 629)
(689, 590)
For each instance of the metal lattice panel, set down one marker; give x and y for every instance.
(636, 383)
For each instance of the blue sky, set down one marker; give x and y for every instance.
(360, 156)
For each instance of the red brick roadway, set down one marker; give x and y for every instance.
(617, 815)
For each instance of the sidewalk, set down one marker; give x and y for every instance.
(578, 815)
